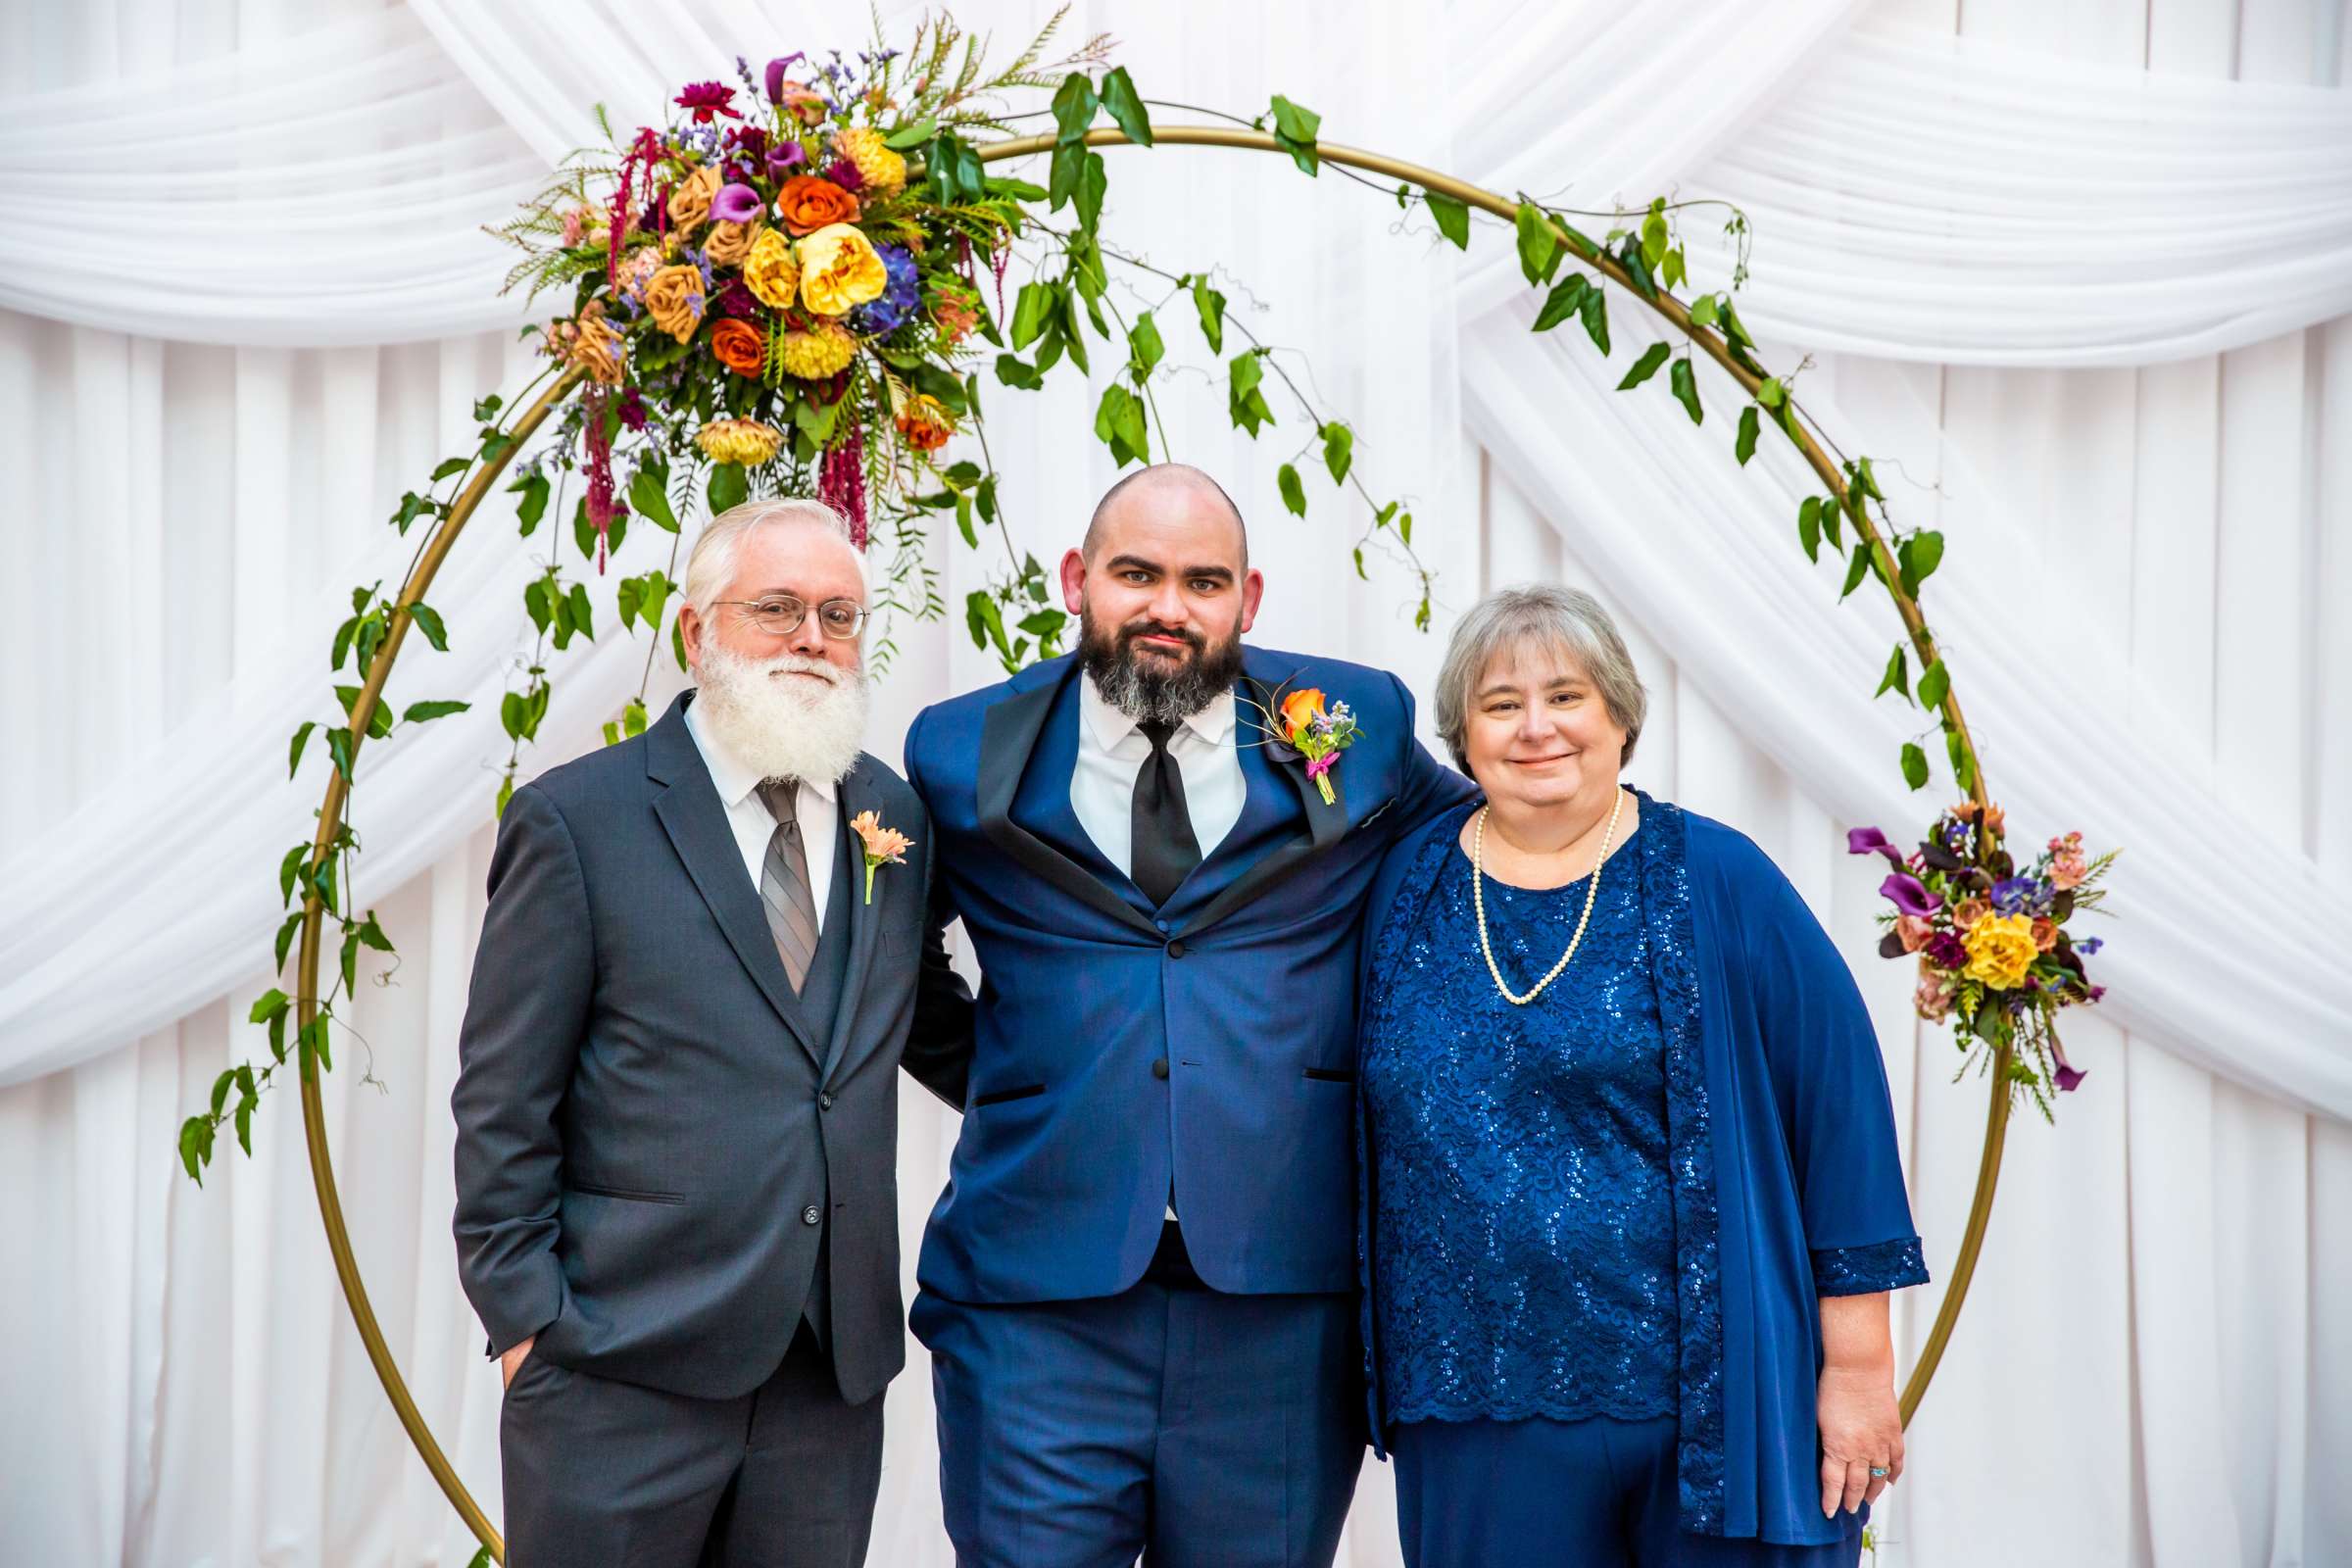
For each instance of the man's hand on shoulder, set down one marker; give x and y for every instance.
(511, 1361)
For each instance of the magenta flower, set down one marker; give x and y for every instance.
(1870, 840)
(841, 171)
(1945, 950)
(2067, 1074)
(775, 74)
(736, 204)
(708, 98)
(784, 157)
(1910, 895)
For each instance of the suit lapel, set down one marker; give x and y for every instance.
(858, 794)
(1008, 736)
(1271, 765)
(691, 814)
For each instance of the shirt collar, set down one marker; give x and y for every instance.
(1108, 726)
(731, 775)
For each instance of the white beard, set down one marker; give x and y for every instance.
(782, 726)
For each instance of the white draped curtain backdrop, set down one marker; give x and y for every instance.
(2077, 275)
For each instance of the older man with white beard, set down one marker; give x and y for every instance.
(676, 1105)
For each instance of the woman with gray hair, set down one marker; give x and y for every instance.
(1631, 1205)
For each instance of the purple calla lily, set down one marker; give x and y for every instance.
(775, 74)
(1910, 895)
(1870, 840)
(784, 157)
(2065, 1072)
(736, 204)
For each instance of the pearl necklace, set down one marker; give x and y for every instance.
(1477, 896)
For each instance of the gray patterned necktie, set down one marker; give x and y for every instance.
(784, 882)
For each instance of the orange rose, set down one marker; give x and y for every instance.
(739, 345)
(1968, 911)
(2046, 935)
(1301, 708)
(807, 204)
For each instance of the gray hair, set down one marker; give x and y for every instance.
(1538, 614)
(716, 553)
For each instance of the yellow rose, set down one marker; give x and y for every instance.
(824, 350)
(744, 441)
(730, 243)
(771, 273)
(2000, 950)
(840, 269)
(690, 201)
(673, 298)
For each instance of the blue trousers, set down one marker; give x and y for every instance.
(1184, 1425)
(1598, 1494)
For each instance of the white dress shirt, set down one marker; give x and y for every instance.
(817, 807)
(1112, 751)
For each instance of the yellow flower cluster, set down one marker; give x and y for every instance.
(840, 269)
(882, 169)
(825, 349)
(771, 273)
(744, 441)
(2000, 950)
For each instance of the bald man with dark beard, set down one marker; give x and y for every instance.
(1139, 1286)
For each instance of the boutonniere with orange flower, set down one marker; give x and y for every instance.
(1302, 723)
(881, 846)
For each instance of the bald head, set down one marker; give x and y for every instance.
(1166, 491)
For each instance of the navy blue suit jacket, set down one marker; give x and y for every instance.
(1121, 1050)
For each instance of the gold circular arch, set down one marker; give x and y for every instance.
(445, 534)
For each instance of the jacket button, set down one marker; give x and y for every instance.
(824, 1101)
(1160, 1067)
(1176, 948)
(812, 1214)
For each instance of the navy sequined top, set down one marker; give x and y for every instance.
(1526, 1228)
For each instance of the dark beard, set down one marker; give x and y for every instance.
(1152, 692)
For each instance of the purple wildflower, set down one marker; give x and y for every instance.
(2012, 895)
(2089, 944)
(900, 295)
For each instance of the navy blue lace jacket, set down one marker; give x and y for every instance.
(1786, 1185)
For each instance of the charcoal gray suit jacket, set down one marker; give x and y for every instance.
(653, 1136)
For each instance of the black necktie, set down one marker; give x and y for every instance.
(1162, 848)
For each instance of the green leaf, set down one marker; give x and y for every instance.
(302, 737)
(649, 497)
(285, 936)
(449, 467)
(1126, 106)
(1339, 450)
(583, 532)
(1899, 675)
(1595, 308)
(1119, 424)
(1808, 528)
(1771, 392)
(267, 1006)
(1654, 238)
(1702, 310)
(677, 642)
(1646, 366)
(1453, 218)
(338, 747)
(1030, 310)
(420, 712)
(1293, 493)
(1919, 556)
(1870, 483)
(1832, 510)
(1211, 306)
(1539, 243)
(1935, 684)
(1094, 180)
(289, 870)
(729, 487)
(1359, 565)
(537, 599)
(1684, 383)
(1857, 570)
(1294, 130)
(913, 135)
(580, 612)
(196, 1147)
(1962, 772)
(1063, 173)
(1145, 349)
(533, 488)
(1915, 762)
(1745, 447)
(1013, 371)
(1562, 302)
(512, 714)
(1074, 104)
(428, 622)
(632, 719)
(1244, 400)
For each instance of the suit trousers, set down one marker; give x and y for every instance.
(1182, 1424)
(603, 1474)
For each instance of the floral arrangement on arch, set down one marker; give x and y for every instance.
(1994, 954)
(762, 280)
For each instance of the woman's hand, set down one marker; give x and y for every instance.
(1861, 1424)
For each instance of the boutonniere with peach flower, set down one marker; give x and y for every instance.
(1301, 724)
(881, 846)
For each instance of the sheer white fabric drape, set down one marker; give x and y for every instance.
(201, 1396)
